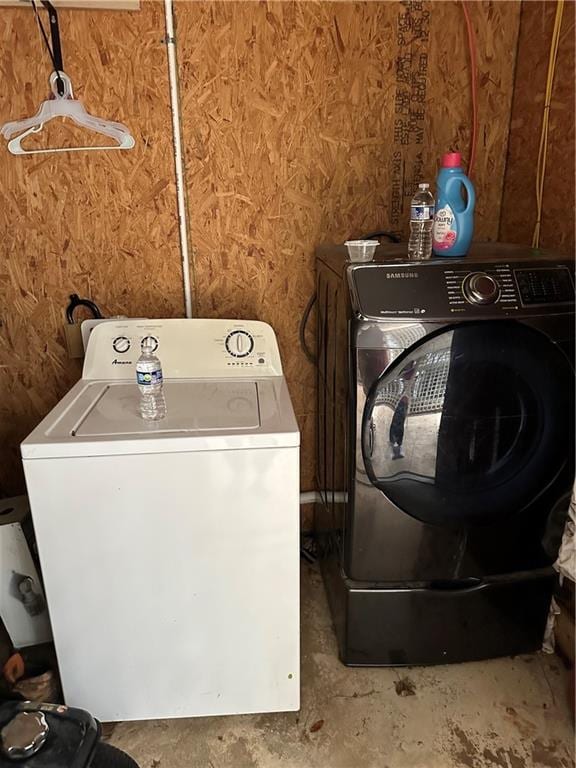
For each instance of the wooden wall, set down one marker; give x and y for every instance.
(519, 202)
(303, 122)
(99, 224)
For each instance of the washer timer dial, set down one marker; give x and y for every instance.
(239, 343)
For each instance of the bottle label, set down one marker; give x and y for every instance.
(149, 378)
(444, 230)
(421, 212)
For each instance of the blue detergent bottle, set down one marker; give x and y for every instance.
(454, 219)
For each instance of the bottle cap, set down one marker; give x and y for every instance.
(423, 186)
(451, 160)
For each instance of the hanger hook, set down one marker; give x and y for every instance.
(63, 78)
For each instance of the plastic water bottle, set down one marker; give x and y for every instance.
(421, 223)
(150, 383)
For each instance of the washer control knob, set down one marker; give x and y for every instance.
(151, 342)
(121, 344)
(239, 343)
(480, 288)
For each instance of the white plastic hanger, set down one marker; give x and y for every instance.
(64, 106)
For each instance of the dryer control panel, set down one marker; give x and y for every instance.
(440, 290)
(489, 285)
(187, 349)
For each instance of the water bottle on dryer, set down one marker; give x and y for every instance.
(421, 220)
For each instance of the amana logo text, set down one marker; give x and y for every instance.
(121, 362)
(400, 275)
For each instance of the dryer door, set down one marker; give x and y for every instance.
(470, 425)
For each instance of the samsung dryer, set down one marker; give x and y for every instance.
(446, 420)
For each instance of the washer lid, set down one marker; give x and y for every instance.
(191, 406)
(101, 418)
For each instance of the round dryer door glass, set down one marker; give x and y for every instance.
(471, 424)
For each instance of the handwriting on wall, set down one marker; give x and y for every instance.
(411, 77)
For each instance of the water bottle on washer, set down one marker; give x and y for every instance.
(421, 222)
(150, 382)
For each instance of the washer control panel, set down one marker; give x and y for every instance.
(465, 289)
(186, 348)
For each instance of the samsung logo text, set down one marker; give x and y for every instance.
(400, 275)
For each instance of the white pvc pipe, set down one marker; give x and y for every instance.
(178, 160)
(311, 497)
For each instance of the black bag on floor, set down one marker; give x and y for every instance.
(54, 736)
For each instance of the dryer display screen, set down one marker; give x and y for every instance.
(544, 286)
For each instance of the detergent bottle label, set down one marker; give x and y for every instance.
(444, 231)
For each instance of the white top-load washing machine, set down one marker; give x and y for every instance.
(170, 549)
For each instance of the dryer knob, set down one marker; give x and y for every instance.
(480, 288)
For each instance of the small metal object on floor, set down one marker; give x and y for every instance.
(24, 735)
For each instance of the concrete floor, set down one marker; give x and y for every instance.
(507, 713)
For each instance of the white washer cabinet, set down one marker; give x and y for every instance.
(170, 549)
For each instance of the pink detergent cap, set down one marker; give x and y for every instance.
(451, 160)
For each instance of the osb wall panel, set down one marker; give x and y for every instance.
(308, 122)
(303, 122)
(519, 204)
(101, 224)
(496, 27)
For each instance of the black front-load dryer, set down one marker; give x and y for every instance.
(445, 449)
